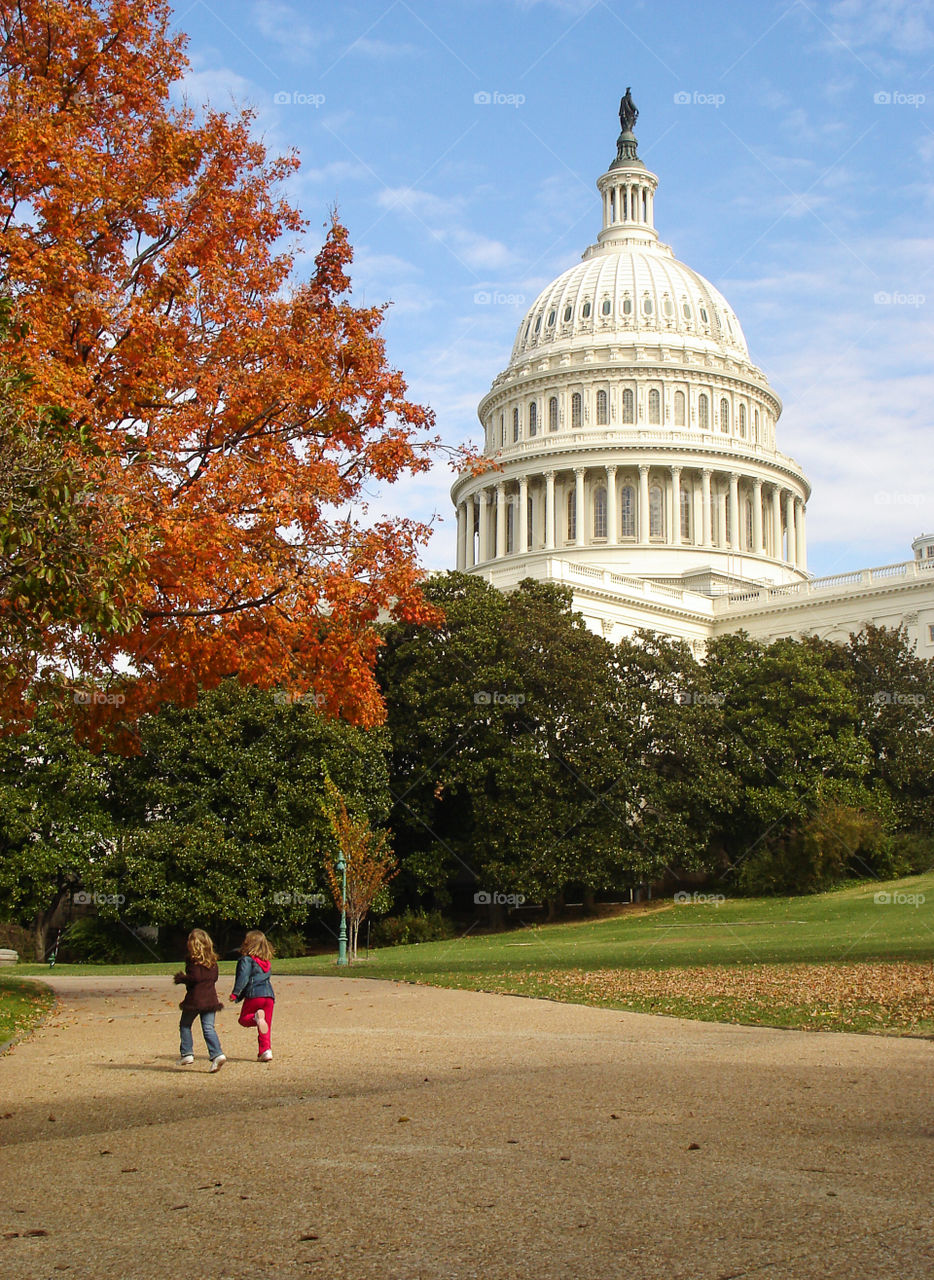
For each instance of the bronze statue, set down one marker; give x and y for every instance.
(628, 112)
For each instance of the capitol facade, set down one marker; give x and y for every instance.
(637, 462)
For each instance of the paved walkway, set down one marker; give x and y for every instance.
(404, 1133)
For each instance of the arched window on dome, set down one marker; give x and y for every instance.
(502, 429)
(742, 421)
(656, 513)
(607, 307)
(647, 306)
(603, 416)
(724, 414)
(703, 411)
(577, 410)
(572, 515)
(515, 425)
(747, 524)
(655, 408)
(627, 507)
(552, 317)
(599, 513)
(585, 311)
(668, 308)
(568, 310)
(553, 414)
(685, 514)
(629, 406)
(533, 419)
(756, 424)
(627, 306)
(679, 408)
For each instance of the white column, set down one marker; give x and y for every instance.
(483, 552)
(790, 525)
(801, 550)
(734, 511)
(675, 507)
(612, 519)
(523, 515)
(643, 503)
(471, 557)
(461, 536)
(707, 534)
(549, 511)
(580, 515)
(776, 523)
(500, 520)
(758, 545)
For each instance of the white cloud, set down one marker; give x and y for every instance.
(444, 219)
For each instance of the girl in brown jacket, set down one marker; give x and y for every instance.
(200, 978)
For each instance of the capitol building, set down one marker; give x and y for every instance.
(637, 460)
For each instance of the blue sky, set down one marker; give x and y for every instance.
(794, 144)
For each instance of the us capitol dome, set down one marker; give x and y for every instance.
(635, 443)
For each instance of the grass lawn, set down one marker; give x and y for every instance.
(22, 1005)
(837, 961)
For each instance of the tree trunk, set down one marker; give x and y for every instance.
(590, 902)
(555, 905)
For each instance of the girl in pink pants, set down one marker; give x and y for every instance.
(253, 987)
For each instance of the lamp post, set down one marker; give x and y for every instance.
(342, 936)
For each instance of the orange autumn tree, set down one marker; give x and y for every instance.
(228, 418)
(368, 860)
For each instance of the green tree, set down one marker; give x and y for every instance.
(54, 822)
(792, 742)
(507, 770)
(220, 809)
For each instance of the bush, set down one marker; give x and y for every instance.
(288, 942)
(837, 841)
(94, 941)
(411, 926)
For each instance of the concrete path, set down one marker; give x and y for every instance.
(404, 1133)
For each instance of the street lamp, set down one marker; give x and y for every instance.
(342, 936)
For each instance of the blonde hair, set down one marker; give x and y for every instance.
(201, 948)
(257, 944)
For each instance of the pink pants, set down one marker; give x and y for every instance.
(248, 1018)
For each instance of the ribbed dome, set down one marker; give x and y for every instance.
(628, 293)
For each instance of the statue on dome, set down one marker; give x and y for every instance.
(628, 112)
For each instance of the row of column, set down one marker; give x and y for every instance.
(484, 512)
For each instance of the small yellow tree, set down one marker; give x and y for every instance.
(369, 861)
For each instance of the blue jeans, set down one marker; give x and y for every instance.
(207, 1030)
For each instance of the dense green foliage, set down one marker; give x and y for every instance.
(524, 760)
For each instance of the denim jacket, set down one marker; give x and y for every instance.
(250, 981)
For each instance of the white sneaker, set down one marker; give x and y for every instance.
(266, 1057)
(186, 1060)
(218, 1062)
